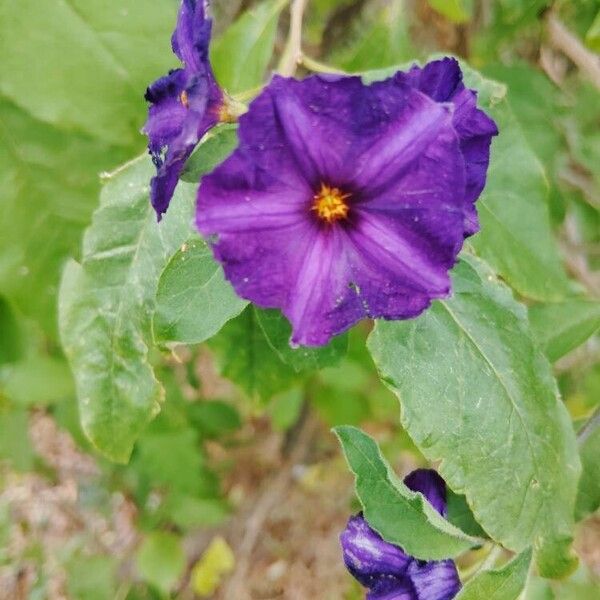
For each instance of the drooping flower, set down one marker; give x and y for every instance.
(345, 200)
(385, 569)
(185, 104)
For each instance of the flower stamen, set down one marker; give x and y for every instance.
(330, 204)
(183, 97)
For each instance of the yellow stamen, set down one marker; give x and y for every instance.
(330, 205)
(184, 99)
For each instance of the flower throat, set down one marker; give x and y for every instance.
(330, 204)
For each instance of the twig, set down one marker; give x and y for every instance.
(589, 427)
(292, 54)
(271, 495)
(569, 44)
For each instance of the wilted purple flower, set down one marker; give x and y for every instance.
(185, 104)
(345, 200)
(385, 569)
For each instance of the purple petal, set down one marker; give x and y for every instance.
(431, 485)
(391, 150)
(392, 588)
(167, 113)
(191, 37)
(442, 81)
(436, 580)
(368, 557)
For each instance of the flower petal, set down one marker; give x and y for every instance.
(191, 37)
(431, 485)
(167, 113)
(368, 557)
(442, 81)
(437, 580)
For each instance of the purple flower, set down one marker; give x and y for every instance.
(345, 200)
(385, 569)
(185, 104)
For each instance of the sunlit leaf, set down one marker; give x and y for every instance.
(477, 394)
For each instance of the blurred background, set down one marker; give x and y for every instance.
(228, 495)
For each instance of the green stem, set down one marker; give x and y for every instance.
(317, 67)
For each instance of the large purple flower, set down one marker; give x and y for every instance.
(345, 200)
(385, 569)
(185, 104)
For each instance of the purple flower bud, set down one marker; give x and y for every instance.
(345, 200)
(185, 104)
(385, 569)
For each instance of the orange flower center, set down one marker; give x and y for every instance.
(183, 97)
(330, 204)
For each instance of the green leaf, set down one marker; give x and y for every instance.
(506, 583)
(87, 61)
(478, 394)
(592, 37)
(39, 380)
(588, 497)
(285, 409)
(193, 300)
(400, 515)
(189, 512)
(213, 418)
(561, 327)
(15, 444)
(246, 357)
(106, 304)
(213, 149)
(49, 182)
(457, 11)
(161, 560)
(384, 42)
(11, 348)
(278, 332)
(91, 577)
(460, 514)
(516, 237)
(242, 54)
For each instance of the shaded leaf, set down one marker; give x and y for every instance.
(588, 497)
(561, 327)
(213, 149)
(193, 299)
(161, 559)
(246, 357)
(400, 515)
(86, 61)
(506, 583)
(241, 55)
(11, 349)
(477, 394)
(278, 332)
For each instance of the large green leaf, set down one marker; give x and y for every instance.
(247, 358)
(278, 332)
(241, 55)
(560, 327)
(400, 515)
(106, 303)
(49, 181)
(193, 300)
(506, 583)
(85, 63)
(478, 394)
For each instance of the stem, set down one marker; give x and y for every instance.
(292, 54)
(570, 45)
(589, 427)
(318, 67)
